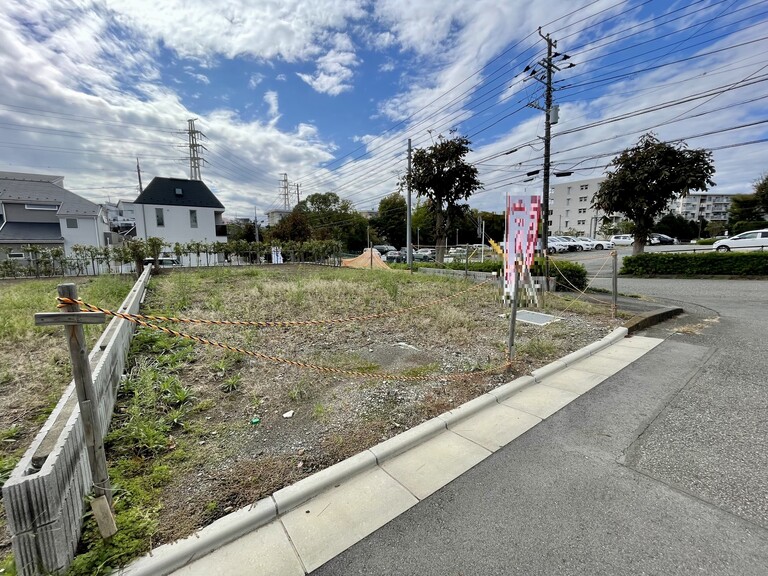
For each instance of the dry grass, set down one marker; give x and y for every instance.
(228, 443)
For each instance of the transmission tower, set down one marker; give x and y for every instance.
(195, 150)
(285, 192)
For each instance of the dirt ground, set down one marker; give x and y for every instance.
(240, 443)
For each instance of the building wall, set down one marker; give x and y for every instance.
(570, 207)
(177, 226)
(703, 205)
(18, 213)
(89, 232)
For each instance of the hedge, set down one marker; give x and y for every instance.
(706, 264)
(567, 274)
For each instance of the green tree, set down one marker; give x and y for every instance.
(390, 224)
(647, 177)
(423, 223)
(441, 174)
(295, 226)
(744, 208)
(154, 247)
(761, 191)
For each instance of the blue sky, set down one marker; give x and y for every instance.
(329, 91)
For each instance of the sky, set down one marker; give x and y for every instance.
(328, 92)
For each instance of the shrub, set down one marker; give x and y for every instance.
(706, 264)
(568, 275)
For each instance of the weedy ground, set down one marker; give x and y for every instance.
(199, 431)
(34, 364)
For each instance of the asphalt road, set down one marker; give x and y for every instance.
(661, 469)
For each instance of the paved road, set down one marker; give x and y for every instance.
(661, 469)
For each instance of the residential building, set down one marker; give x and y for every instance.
(178, 210)
(36, 209)
(274, 216)
(703, 205)
(570, 208)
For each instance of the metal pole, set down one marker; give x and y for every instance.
(513, 314)
(615, 279)
(482, 248)
(408, 239)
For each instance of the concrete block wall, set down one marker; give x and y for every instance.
(44, 497)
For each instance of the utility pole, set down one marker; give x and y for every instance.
(550, 117)
(298, 196)
(547, 144)
(138, 171)
(408, 240)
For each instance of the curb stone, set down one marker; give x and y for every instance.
(170, 557)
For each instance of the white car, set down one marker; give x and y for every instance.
(599, 244)
(752, 240)
(556, 244)
(623, 239)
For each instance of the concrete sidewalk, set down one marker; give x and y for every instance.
(303, 526)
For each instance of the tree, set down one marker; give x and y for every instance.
(647, 177)
(744, 208)
(391, 221)
(295, 226)
(761, 191)
(441, 174)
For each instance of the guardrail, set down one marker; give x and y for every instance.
(45, 495)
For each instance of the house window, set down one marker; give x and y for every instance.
(159, 217)
(52, 207)
(193, 218)
(581, 222)
(582, 210)
(71, 222)
(567, 213)
(582, 198)
(15, 255)
(584, 187)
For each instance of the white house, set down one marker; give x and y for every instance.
(178, 210)
(36, 209)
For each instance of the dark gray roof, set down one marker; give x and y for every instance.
(31, 188)
(30, 233)
(162, 191)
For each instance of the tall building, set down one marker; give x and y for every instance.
(570, 208)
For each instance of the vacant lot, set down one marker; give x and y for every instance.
(200, 431)
(34, 362)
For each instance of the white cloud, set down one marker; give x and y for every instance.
(271, 99)
(281, 77)
(201, 78)
(255, 80)
(334, 69)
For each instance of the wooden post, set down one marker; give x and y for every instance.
(73, 321)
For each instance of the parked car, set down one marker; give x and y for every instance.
(586, 243)
(623, 239)
(423, 257)
(163, 262)
(384, 248)
(657, 238)
(395, 256)
(600, 244)
(574, 241)
(557, 244)
(752, 240)
(429, 251)
(571, 245)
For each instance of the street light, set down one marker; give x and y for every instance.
(418, 244)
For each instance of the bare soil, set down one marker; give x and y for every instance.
(231, 459)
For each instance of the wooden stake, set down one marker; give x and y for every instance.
(73, 319)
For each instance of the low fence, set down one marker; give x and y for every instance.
(45, 494)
